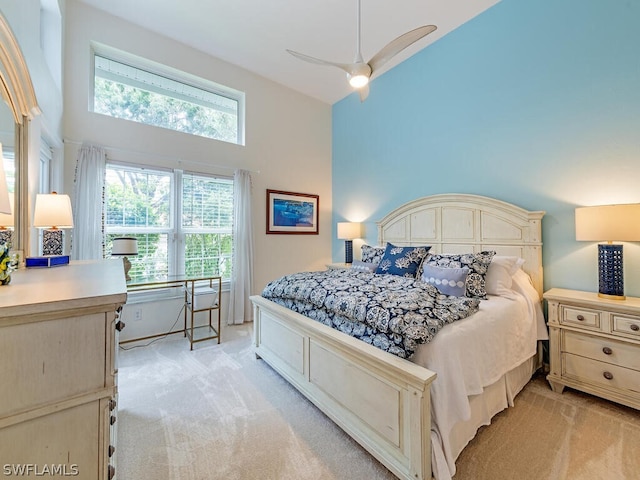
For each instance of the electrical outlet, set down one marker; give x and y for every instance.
(137, 314)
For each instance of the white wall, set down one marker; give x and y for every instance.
(24, 18)
(288, 135)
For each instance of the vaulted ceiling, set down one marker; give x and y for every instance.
(254, 34)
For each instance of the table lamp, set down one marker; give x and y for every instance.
(52, 213)
(123, 246)
(5, 203)
(6, 218)
(609, 223)
(348, 231)
(6, 224)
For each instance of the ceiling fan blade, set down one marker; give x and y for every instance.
(347, 67)
(363, 92)
(396, 46)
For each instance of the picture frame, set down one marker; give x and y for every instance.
(292, 213)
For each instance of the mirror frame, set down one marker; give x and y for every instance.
(17, 91)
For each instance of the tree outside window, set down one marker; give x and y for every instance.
(143, 203)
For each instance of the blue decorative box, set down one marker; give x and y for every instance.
(47, 261)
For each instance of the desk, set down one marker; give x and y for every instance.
(201, 294)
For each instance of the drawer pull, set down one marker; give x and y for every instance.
(634, 327)
(608, 375)
(120, 325)
(580, 317)
(607, 351)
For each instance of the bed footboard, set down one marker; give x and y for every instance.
(380, 400)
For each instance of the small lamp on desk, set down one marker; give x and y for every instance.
(123, 247)
(52, 213)
(348, 231)
(608, 223)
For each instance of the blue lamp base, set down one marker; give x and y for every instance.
(6, 236)
(52, 242)
(348, 251)
(611, 278)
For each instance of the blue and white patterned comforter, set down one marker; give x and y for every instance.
(393, 313)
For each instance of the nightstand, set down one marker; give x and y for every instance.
(338, 266)
(594, 345)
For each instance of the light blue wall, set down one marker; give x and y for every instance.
(536, 103)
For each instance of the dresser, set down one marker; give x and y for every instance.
(58, 372)
(594, 345)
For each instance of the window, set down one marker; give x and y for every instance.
(183, 221)
(207, 221)
(134, 89)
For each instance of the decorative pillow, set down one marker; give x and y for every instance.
(372, 254)
(499, 276)
(450, 281)
(477, 263)
(360, 266)
(403, 261)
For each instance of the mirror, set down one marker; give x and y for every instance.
(19, 104)
(7, 139)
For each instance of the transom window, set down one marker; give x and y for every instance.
(152, 94)
(183, 221)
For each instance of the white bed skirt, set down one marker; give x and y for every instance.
(494, 399)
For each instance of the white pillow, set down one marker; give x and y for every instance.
(361, 266)
(499, 275)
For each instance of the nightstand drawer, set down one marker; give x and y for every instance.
(602, 349)
(594, 345)
(600, 373)
(582, 317)
(626, 326)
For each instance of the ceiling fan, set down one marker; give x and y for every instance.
(360, 72)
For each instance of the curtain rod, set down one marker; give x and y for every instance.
(166, 157)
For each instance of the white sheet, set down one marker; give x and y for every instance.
(473, 353)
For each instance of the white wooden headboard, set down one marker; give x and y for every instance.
(461, 223)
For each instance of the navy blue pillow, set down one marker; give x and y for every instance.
(403, 261)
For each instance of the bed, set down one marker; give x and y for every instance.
(410, 414)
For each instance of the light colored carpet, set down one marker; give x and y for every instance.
(219, 413)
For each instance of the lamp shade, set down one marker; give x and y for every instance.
(124, 246)
(608, 223)
(349, 230)
(53, 210)
(6, 219)
(5, 206)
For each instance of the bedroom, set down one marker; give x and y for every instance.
(548, 123)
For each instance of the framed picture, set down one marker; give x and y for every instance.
(289, 212)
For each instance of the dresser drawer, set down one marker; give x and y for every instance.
(67, 438)
(602, 349)
(626, 326)
(600, 373)
(51, 361)
(578, 316)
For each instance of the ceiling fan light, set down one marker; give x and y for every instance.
(358, 81)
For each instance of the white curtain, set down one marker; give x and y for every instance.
(88, 199)
(242, 274)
